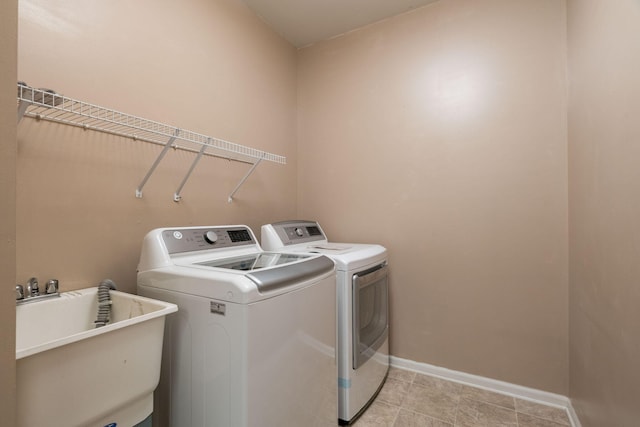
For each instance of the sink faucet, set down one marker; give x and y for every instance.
(31, 292)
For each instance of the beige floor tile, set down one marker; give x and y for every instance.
(410, 399)
(434, 383)
(487, 396)
(525, 420)
(473, 413)
(379, 414)
(551, 413)
(393, 391)
(401, 374)
(434, 402)
(413, 419)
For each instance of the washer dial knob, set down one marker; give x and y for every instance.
(210, 237)
(299, 231)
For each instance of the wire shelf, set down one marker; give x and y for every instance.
(45, 104)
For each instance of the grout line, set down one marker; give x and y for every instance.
(422, 414)
(455, 417)
(537, 417)
(395, 418)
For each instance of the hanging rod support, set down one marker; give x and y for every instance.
(156, 163)
(255, 165)
(176, 196)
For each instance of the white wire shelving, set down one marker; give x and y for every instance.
(45, 104)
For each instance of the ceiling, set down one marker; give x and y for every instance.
(304, 22)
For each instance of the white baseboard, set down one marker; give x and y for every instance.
(514, 390)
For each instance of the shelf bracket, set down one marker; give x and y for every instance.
(156, 163)
(235, 190)
(176, 196)
(22, 108)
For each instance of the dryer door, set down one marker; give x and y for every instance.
(370, 312)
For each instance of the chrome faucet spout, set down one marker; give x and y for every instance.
(32, 288)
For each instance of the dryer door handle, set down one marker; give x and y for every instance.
(367, 277)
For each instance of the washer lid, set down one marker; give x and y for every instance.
(293, 274)
(350, 256)
(254, 261)
(274, 270)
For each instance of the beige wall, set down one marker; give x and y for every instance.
(451, 118)
(8, 35)
(208, 66)
(441, 134)
(604, 155)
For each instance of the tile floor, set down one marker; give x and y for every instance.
(409, 399)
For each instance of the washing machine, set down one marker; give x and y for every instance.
(253, 343)
(363, 309)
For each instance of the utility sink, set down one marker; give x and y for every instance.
(70, 373)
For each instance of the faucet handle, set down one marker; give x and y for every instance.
(19, 292)
(51, 287)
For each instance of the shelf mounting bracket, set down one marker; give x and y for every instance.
(176, 196)
(156, 163)
(235, 190)
(22, 108)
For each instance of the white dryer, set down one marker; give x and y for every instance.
(253, 343)
(363, 309)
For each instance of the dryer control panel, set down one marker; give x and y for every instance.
(292, 233)
(204, 238)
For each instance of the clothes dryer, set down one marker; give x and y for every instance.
(253, 343)
(363, 309)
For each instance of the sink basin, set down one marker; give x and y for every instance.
(69, 373)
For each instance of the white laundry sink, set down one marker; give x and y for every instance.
(71, 374)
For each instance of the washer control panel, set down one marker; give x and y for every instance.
(199, 239)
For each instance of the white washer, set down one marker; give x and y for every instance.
(363, 309)
(253, 342)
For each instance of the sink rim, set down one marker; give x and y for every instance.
(164, 309)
